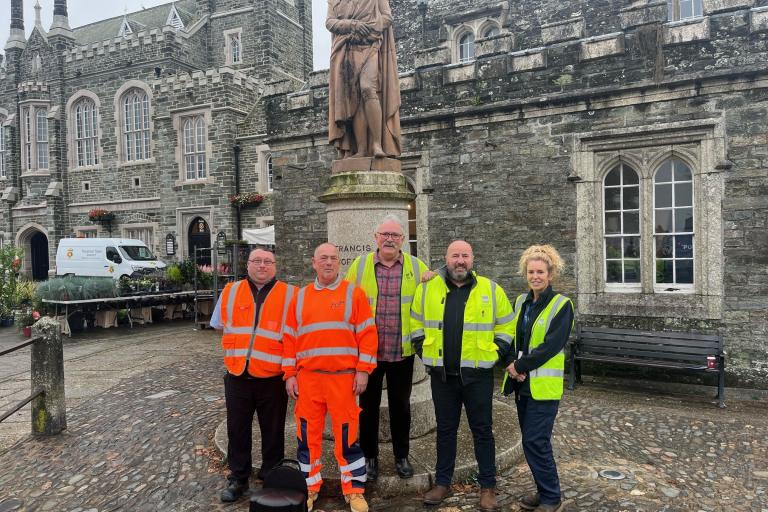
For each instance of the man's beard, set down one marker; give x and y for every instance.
(459, 274)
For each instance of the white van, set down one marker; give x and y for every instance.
(109, 257)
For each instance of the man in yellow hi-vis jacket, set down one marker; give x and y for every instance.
(461, 325)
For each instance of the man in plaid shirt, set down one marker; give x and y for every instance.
(389, 279)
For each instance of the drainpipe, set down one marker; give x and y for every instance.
(238, 225)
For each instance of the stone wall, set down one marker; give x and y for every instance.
(510, 150)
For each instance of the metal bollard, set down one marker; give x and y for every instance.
(49, 415)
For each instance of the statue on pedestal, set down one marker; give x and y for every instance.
(363, 87)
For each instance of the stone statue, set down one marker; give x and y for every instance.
(363, 88)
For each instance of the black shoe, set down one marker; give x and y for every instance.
(372, 469)
(234, 491)
(404, 468)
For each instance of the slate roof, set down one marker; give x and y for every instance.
(146, 19)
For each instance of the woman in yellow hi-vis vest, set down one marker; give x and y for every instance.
(542, 322)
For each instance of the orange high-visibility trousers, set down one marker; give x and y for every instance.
(329, 392)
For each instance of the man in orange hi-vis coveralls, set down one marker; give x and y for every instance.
(329, 349)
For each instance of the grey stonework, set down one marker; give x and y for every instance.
(511, 150)
(183, 71)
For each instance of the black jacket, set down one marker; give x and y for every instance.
(554, 341)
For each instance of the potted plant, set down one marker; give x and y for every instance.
(10, 263)
(100, 215)
(24, 320)
(246, 200)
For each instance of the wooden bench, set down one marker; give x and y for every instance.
(668, 350)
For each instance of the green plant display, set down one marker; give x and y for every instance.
(10, 264)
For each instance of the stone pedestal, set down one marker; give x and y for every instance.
(361, 192)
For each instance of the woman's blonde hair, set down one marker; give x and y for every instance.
(545, 253)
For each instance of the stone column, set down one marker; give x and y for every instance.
(16, 38)
(49, 415)
(60, 25)
(362, 192)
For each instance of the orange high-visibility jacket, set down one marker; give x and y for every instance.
(329, 330)
(241, 342)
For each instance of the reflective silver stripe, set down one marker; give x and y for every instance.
(367, 359)
(359, 463)
(299, 307)
(362, 325)
(317, 477)
(547, 372)
(519, 302)
(288, 362)
(432, 324)
(305, 467)
(263, 356)
(288, 295)
(361, 478)
(348, 303)
(361, 269)
(504, 336)
(417, 333)
(416, 269)
(493, 302)
(406, 299)
(236, 352)
(506, 318)
(417, 316)
(270, 335)
(432, 361)
(325, 326)
(289, 330)
(407, 337)
(471, 363)
(238, 330)
(558, 301)
(472, 326)
(231, 302)
(328, 351)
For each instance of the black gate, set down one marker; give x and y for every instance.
(200, 238)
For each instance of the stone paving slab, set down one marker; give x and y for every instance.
(132, 447)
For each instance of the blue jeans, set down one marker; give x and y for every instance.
(537, 418)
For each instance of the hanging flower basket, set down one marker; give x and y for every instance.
(100, 215)
(246, 200)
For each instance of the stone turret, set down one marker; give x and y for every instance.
(60, 27)
(16, 37)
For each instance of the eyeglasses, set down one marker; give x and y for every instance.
(266, 263)
(393, 236)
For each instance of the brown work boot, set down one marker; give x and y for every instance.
(356, 502)
(557, 507)
(530, 501)
(436, 495)
(488, 501)
(311, 499)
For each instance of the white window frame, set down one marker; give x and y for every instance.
(235, 34)
(202, 150)
(35, 136)
(488, 27)
(174, 19)
(468, 46)
(78, 138)
(675, 9)
(129, 133)
(622, 286)
(86, 231)
(129, 230)
(3, 152)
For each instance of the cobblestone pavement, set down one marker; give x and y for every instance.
(144, 444)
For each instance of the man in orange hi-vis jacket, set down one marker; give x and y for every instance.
(329, 349)
(252, 312)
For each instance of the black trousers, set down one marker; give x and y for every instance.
(268, 399)
(399, 375)
(476, 397)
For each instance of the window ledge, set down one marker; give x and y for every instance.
(185, 183)
(135, 163)
(32, 174)
(96, 167)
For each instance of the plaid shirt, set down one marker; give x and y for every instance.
(388, 309)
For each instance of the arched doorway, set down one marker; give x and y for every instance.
(38, 251)
(199, 237)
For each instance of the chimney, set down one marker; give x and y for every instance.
(60, 25)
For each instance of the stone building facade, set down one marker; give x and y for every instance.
(631, 135)
(156, 116)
